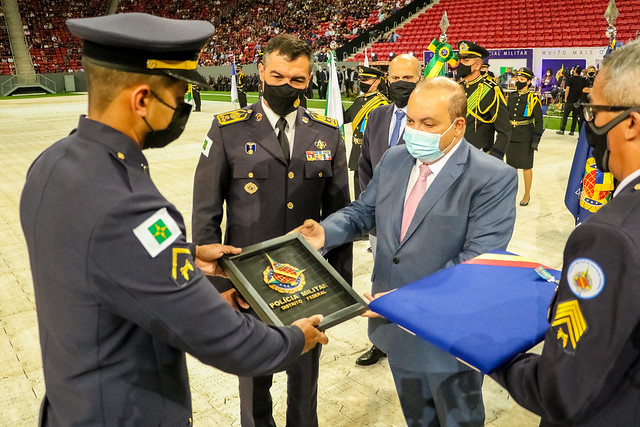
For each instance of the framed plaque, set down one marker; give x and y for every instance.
(285, 279)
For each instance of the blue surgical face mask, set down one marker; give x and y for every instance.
(424, 146)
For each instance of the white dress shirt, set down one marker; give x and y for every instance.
(626, 182)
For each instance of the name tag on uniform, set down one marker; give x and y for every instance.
(313, 156)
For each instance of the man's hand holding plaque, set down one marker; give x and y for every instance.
(312, 232)
(312, 335)
(207, 258)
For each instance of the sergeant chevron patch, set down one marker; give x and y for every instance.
(571, 325)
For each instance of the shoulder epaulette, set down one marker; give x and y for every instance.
(322, 119)
(489, 82)
(234, 116)
(383, 97)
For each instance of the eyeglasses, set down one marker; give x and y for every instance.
(589, 112)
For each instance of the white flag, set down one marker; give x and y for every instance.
(334, 99)
(234, 86)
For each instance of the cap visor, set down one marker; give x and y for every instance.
(189, 76)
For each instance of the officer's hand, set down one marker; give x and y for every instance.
(371, 314)
(234, 299)
(312, 336)
(313, 232)
(534, 145)
(207, 256)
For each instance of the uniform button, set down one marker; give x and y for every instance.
(291, 175)
(396, 260)
(320, 174)
(290, 205)
(250, 174)
(120, 155)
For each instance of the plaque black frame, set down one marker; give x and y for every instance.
(249, 287)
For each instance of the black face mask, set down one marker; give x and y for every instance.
(400, 91)
(364, 87)
(591, 74)
(600, 146)
(463, 70)
(162, 137)
(282, 99)
(521, 85)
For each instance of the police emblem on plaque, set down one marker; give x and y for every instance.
(283, 278)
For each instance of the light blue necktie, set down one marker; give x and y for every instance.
(396, 129)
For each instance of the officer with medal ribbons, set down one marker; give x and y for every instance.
(273, 164)
(525, 117)
(120, 293)
(487, 113)
(589, 371)
(371, 80)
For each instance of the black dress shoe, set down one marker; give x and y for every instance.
(560, 132)
(570, 133)
(370, 357)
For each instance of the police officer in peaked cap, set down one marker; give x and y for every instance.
(370, 83)
(120, 293)
(487, 117)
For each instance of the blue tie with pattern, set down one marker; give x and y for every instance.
(396, 129)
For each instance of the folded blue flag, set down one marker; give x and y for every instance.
(483, 311)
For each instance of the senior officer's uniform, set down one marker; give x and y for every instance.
(589, 370)
(487, 112)
(525, 118)
(358, 116)
(118, 295)
(243, 164)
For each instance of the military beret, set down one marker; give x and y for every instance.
(468, 49)
(142, 43)
(369, 72)
(525, 72)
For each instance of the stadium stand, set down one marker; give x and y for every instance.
(6, 58)
(574, 24)
(244, 26)
(52, 47)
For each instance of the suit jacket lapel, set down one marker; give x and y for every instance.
(304, 138)
(267, 136)
(440, 185)
(401, 182)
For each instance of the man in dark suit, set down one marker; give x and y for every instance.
(384, 129)
(120, 293)
(588, 372)
(435, 202)
(274, 164)
(323, 81)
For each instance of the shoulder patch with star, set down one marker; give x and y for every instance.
(323, 119)
(234, 116)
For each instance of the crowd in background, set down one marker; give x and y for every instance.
(242, 26)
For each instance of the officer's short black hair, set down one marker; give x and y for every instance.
(290, 47)
(105, 84)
